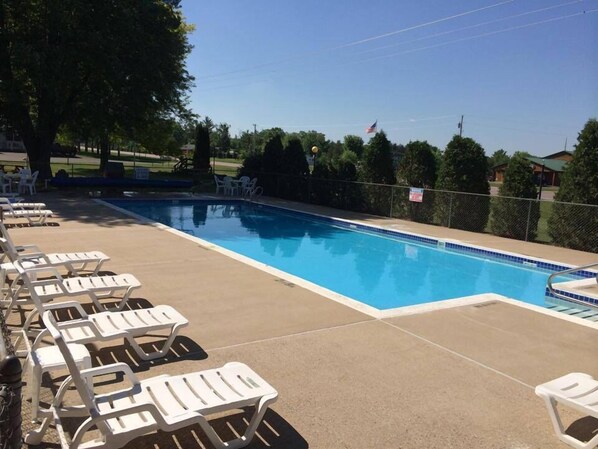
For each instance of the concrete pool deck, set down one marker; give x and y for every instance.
(458, 378)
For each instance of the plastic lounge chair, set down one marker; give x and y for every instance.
(30, 256)
(162, 403)
(53, 286)
(219, 185)
(34, 216)
(18, 204)
(576, 390)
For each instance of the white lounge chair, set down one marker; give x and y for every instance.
(17, 203)
(103, 326)
(33, 216)
(161, 403)
(31, 256)
(53, 286)
(576, 390)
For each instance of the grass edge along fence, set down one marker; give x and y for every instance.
(10, 392)
(569, 225)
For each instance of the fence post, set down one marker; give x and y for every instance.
(392, 199)
(450, 210)
(529, 213)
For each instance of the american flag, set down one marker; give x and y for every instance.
(372, 128)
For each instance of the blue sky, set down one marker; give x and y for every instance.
(415, 66)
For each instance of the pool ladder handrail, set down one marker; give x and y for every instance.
(569, 271)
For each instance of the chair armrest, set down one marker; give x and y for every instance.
(66, 305)
(112, 368)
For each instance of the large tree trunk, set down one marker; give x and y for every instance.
(104, 152)
(38, 153)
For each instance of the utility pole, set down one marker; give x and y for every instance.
(565, 144)
(253, 142)
(460, 126)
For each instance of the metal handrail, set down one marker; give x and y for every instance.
(569, 271)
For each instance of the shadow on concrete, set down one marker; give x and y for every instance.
(182, 349)
(274, 432)
(583, 429)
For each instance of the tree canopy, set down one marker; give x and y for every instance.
(418, 165)
(377, 161)
(572, 225)
(112, 65)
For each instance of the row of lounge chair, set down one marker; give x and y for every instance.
(47, 284)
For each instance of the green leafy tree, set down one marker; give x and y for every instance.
(118, 64)
(272, 164)
(417, 169)
(223, 140)
(418, 165)
(377, 161)
(463, 169)
(572, 225)
(377, 167)
(293, 159)
(294, 166)
(201, 155)
(354, 144)
(512, 217)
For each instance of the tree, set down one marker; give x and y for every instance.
(513, 217)
(377, 161)
(223, 142)
(463, 169)
(201, 155)
(499, 157)
(418, 169)
(418, 165)
(572, 225)
(354, 144)
(293, 159)
(117, 64)
(272, 164)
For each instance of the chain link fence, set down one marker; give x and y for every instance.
(10, 392)
(563, 224)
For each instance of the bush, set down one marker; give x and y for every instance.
(571, 225)
(511, 217)
(463, 169)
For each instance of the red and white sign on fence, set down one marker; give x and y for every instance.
(416, 195)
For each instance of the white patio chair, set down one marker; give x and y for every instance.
(230, 186)
(249, 187)
(53, 286)
(220, 188)
(6, 183)
(162, 403)
(578, 391)
(30, 256)
(27, 181)
(243, 183)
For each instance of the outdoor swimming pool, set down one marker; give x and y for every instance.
(383, 270)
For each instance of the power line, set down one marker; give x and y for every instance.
(477, 25)
(358, 42)
(442, 44)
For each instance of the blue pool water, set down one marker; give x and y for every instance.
(380, 270)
